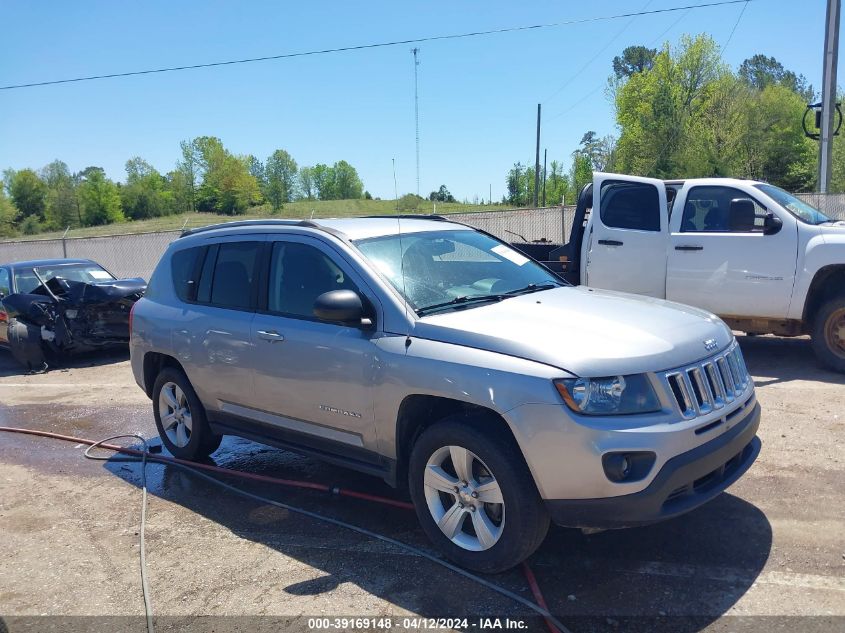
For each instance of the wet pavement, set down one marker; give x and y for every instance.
(774, 545)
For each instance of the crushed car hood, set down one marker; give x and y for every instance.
(585, 331)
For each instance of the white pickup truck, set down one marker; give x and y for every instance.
(760, 258)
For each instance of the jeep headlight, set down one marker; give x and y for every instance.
(611, 395)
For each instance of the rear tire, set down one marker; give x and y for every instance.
(828, 336)
(180, 417)
(496, 493)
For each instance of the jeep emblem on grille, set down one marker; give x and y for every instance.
(710, 344)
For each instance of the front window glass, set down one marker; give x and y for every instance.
(709, 209)
(797, 207)
(26, 281)
(300, 273)
(437, 270)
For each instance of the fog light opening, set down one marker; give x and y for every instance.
(625, 467)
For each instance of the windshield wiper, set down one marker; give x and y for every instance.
(531, 288)
(467, 299)
(460, 301)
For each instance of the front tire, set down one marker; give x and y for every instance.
(473, 494)
(180, 417)
(828, 335)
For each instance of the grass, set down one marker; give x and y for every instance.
(301, 209)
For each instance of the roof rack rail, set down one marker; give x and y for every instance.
(411, 216)
(237, 223)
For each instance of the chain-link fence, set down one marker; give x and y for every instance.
(136, 255)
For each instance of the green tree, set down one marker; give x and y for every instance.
(760, 71)
(146, 194)
(323, 177)
(100, 199)
(281, 174)
(8, 215)
(306, 182)
(347, 184)
(29, 194)
(227, 186)
(61, 207)
(634, 59)
(441, 195)
(582, 171)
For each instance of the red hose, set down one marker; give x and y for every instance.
(538, 595)
(291, 483)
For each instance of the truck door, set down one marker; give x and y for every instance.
(721, 259)
(626, 245)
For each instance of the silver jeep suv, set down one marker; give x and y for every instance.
(438, 357)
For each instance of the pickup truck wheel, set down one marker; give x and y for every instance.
(474, 495)
(180, 417)
(829, 334)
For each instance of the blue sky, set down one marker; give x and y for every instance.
(478, 96)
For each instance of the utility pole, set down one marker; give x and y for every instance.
(417, 114)
(831, 54)
(395, 188)
(490, 197)
(537, 160)
(545, 156)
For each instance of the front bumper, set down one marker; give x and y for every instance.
(683, 483)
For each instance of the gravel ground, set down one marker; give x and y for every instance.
(767, 555)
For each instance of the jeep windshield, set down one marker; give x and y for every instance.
(26, 280)
(797, 207)
(454, 269)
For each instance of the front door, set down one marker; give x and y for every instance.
(721, 260)
(313, 379)
(626, 247)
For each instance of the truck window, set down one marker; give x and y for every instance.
(630, 205)
(708, 210)
(300, 273)
(233, 277)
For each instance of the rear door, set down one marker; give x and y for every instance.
(5, 290)
(626, 247)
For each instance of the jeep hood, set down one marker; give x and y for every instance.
(585, 331)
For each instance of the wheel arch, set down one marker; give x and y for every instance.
(828, 282)
(154, 363)
(418, 412)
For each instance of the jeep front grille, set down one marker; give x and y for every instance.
(710, 384)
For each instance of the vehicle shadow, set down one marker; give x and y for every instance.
(679, 575)
(10, 367)
(773, 359)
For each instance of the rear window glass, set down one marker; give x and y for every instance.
(234, 275)
(184, 268)
(630, 205)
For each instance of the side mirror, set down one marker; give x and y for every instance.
(339, 306)
(771, 224)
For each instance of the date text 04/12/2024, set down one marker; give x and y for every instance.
(417, 623)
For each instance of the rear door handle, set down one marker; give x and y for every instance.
(689, 247)
(271, 336)
(610, 242)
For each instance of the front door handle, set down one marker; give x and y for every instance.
(610, 242)
(689, 247)
(271, 336)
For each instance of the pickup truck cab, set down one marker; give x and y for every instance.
(441, 359)
(755, 255)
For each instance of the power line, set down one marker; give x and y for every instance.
(344, 49)
(594, 57)
(600, 86)
(733, 30)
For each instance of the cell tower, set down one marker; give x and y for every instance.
(415, 51)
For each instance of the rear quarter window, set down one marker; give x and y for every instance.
(184, 267)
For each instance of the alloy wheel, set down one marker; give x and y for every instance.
(175, 414)
(464, 498)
